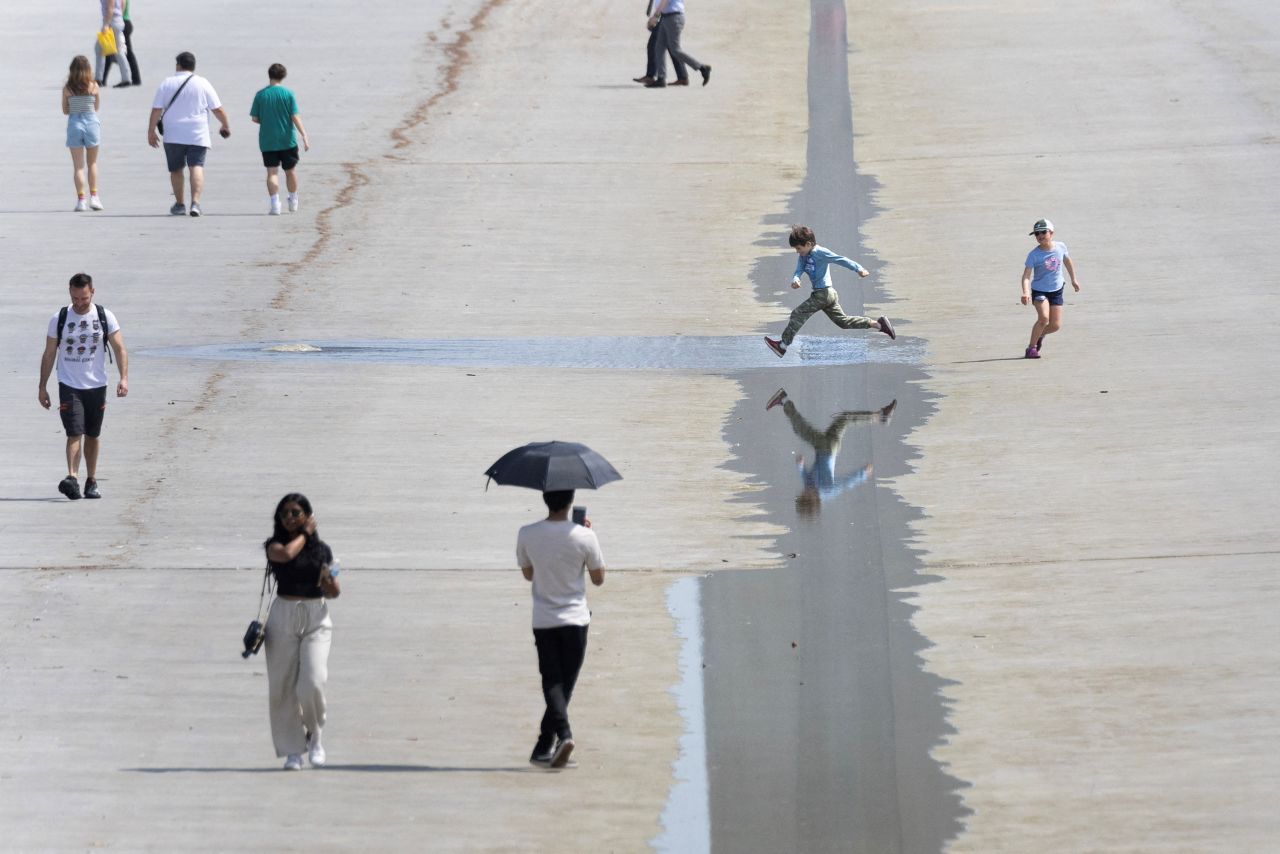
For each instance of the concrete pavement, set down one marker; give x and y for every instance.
(1106, 610)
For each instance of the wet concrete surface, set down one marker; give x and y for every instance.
(820, 717)
(673, 352)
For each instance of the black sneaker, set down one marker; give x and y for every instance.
(542, 751)
(91, 489)
(70, 487)
(561, 757)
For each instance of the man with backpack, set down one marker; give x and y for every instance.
(77, 340)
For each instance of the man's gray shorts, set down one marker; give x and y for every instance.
(179, 155)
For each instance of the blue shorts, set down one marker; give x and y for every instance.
(1054, 298)
(83, 130)
(177, 154)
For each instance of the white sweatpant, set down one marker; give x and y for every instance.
(298, 637)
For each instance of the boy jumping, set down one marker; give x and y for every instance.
(815, 260)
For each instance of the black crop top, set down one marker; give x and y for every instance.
(301, 576)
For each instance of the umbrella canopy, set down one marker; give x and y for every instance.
(553, 466)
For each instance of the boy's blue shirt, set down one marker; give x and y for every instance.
(817, 265)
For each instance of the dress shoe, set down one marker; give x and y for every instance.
(684, 82)
(645, 79)
(706, 74)
(122, 86)
(657, 83)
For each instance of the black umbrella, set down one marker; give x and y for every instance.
(553, 466)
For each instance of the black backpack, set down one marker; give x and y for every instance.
(102, 321)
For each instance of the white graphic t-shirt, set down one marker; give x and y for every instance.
(82, 352)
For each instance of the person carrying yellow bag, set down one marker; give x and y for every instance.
(110, 39)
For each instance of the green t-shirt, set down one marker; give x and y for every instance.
(274, 107)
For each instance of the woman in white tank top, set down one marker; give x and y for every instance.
(80, 101)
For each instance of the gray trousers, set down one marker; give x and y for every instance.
(824, 300)
(100, 61)
(669, 28)
(298, 636)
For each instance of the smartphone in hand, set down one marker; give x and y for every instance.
(579, 515)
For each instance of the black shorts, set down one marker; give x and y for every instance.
(1054, 297)
(286, 159)
(176, 155)
(82, 409)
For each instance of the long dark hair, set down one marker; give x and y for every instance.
(314, 549)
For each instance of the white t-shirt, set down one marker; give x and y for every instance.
(557, 551)
(187, 121)
(82, 352)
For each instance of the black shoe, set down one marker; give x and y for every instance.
(561, 757)
(122, 85)
(657, 83)
(681, 82)
(70, 487)
(644, 79)
(886, 412)
(883, 324)
(706, 74)
(542, 751)
(91, 489)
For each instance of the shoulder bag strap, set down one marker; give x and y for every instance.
(266, 586)
(175, 95)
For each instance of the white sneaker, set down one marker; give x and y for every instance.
(315, 755)
(293, 762)
(81, 205)
(95, 203)
(275, 208)
(293, 204)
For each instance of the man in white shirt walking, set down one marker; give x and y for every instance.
(552, 555)
(78, 337)
(179, 113)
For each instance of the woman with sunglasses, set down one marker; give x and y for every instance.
(299, 631)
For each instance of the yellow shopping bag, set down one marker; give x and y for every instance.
(107, 41)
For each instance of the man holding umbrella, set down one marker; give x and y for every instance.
(552, 554)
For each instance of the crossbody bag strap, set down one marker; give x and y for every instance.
(175, 95)
(266, 586)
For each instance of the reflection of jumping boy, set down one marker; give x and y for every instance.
(819, 481)
(1042, 284)
(815, 261)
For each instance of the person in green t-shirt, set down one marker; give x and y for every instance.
(275, 111)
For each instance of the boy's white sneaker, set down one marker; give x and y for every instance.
(275, 208)
(95, 203)
(81, 205)
(293, 204)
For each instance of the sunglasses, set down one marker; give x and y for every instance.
(293, 513)
(1041, 233)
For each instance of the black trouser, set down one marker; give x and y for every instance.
(560, 654)
(651, 51)
(115, 57)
